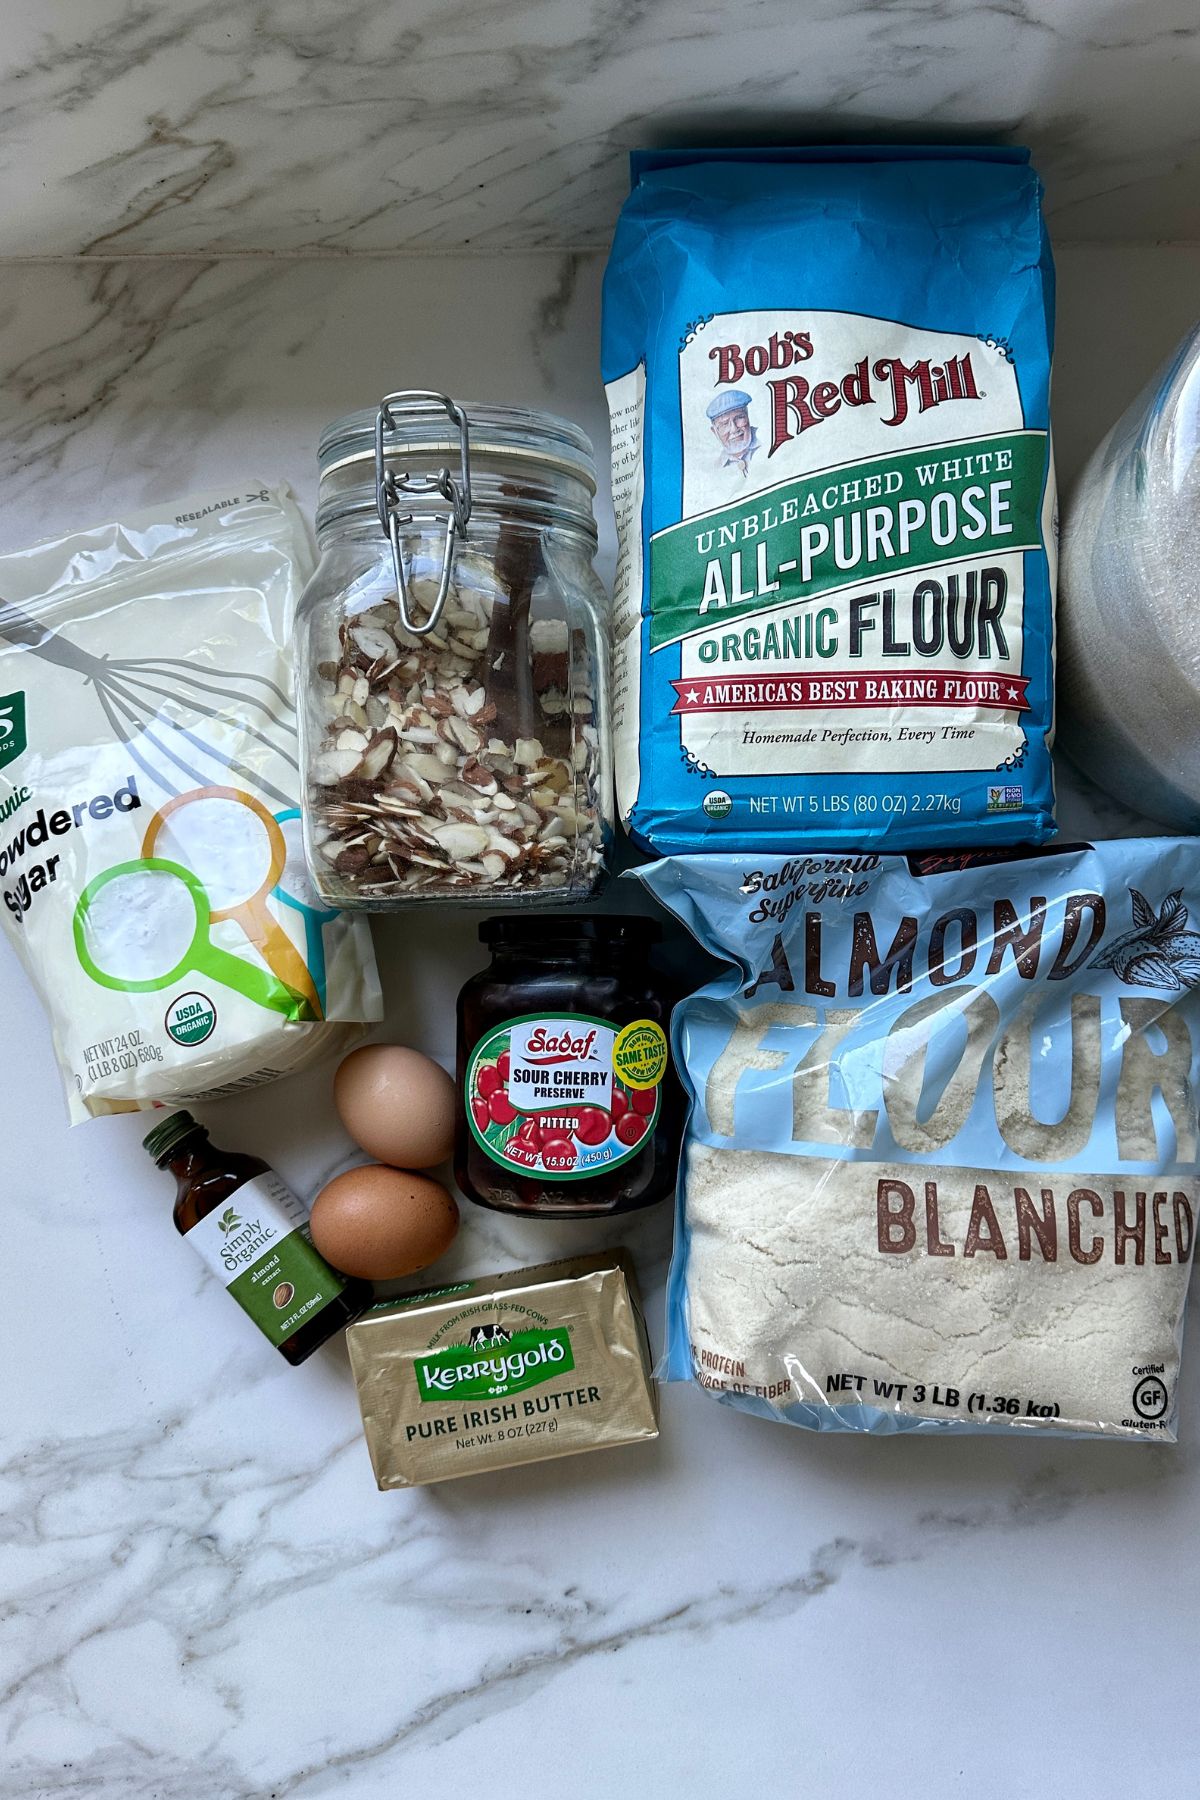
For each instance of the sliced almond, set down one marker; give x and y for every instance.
(461, 841)
(479, 777)
(464, 734)
(379, 645)
(503, 846)
(378, 757)
(427, 766)
(334, 765)
(467, 703)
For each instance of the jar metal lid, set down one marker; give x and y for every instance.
(499, 434)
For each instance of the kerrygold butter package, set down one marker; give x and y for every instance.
(508, 1369)
(828, 372)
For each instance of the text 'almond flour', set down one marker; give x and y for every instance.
(941, 1166)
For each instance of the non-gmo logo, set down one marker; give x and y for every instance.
(718, 804)
(13, 739)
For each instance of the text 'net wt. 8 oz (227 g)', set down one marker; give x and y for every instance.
(940, 1171)
(151, 871)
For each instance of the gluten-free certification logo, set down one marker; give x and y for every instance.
(1151, 1397)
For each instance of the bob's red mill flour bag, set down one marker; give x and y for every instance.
(940, 1172)
(828, 372)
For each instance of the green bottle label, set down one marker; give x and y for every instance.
(257, 1244)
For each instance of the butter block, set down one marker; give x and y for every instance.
(507, 1369)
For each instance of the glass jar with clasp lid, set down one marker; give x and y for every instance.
(453, 661)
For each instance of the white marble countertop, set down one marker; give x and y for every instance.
(202, 1595)
(201, 126)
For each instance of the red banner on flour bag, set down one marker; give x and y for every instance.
(774, 693)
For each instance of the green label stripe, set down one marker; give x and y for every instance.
(774, 539)
(486, 1371)
(262, 1289)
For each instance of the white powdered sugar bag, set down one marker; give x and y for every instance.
(941, 1166)
(151, 872)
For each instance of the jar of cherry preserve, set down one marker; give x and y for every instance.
(567, 1106)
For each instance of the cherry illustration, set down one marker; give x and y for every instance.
(481, 1113)
(632, 1128)
(488, 1081)
(501, 1108)
(620, 1103)
(592, 1126)
(643, 1100)
(502, 1066)
(558, 1153)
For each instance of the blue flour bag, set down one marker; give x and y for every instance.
(940, 1166)
(828, 375)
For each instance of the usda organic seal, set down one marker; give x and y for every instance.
(191, 1019)
(718, 804)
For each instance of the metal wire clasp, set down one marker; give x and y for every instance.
(394, 488)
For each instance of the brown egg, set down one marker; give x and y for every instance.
(381, 1223)
(396, 1103)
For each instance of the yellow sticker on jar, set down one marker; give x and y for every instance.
(640, 1054)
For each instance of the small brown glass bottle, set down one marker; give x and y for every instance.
(250, 1229)
(567, 1105)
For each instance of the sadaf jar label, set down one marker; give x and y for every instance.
(565, 1095)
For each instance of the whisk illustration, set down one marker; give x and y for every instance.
(129, 690)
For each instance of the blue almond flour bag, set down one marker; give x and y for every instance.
(828, 373)
(940, 1170)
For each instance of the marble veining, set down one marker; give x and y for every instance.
(202, 1596)
(208, 127)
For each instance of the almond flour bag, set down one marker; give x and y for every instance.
(151, 871)
(940, 1172)
(828, 372)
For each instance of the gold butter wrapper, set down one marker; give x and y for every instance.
(508, 1369)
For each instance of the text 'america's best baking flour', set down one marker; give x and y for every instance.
(152, 876)
(828, 373)
(940, 1171)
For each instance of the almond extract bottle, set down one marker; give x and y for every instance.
(251, 1230)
